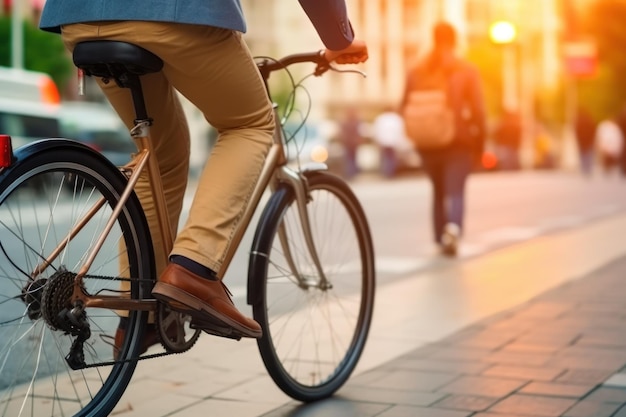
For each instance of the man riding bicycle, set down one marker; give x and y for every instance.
(206, 60)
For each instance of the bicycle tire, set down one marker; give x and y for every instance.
(313, 337)
(48, 188)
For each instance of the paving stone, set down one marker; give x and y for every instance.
(209, 406)
(512, 358)
(331, 407)
(592, 409)
(609, 395)
(550, 330)
(413, 380)
(530, 348)
(483, 386)
(498, 318)
(544, 310)
(621, 412)
(456, 367)
(513, 327)
(524, 372)
(587, 311)
(560, 328)
(582, 362)
(533, 405)
(551, 336)
(366, 378)
(617, 380)
(595, 352)
(590, 322)
(389, 396)
(466, 402)
(486, 340)
(462, 353)
(404, 411)
(547, 339)
(584, 376)
(557, 389)
(609, 340)
(424, 351)
(466, 332)
(604, 307)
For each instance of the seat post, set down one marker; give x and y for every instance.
(133, 82)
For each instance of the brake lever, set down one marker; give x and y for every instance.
(351, 71)
(323, 67)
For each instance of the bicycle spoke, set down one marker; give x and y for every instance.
(49, 225)
(314, 327)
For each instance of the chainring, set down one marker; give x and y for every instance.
(173, 329)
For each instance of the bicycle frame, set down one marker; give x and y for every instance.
(274, 171)
(83, 241)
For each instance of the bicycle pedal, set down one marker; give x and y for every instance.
(215, 330)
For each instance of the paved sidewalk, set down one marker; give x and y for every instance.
(560, 354)
(534, 329)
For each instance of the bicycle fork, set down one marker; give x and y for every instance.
(299, 184)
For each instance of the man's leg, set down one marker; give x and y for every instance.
(213, 68)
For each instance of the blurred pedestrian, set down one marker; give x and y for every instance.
(351, 138)
(388, 132)
(610, 143)
(585, 129)
(448, 164)
(508, 139)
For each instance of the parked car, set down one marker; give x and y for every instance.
(29, 106)
(97, 125)
(26, 122)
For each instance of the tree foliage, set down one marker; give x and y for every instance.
(43, 51)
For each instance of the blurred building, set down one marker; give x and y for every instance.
(398, 33)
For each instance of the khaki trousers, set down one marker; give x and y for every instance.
(213, 68)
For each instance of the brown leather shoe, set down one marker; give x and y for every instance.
(205, 300)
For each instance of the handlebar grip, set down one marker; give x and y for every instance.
(268, 65)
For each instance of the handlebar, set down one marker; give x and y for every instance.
(267, 65)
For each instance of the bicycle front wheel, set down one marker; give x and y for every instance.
(314, 328)
(47, 193)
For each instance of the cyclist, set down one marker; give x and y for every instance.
(206, 60)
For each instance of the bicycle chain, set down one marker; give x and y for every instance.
(104, 277)
(140, 358)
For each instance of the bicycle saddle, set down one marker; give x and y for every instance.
(111, 59)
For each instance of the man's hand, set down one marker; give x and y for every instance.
(353, 54)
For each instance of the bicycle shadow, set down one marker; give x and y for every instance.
(331, 407)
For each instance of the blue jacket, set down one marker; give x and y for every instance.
(328, 16)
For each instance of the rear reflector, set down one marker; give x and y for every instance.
(6, 151)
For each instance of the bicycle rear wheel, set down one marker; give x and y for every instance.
(313, 334)
(43, 196)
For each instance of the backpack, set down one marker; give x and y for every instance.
(428, 118)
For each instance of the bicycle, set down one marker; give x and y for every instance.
(76, 253)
